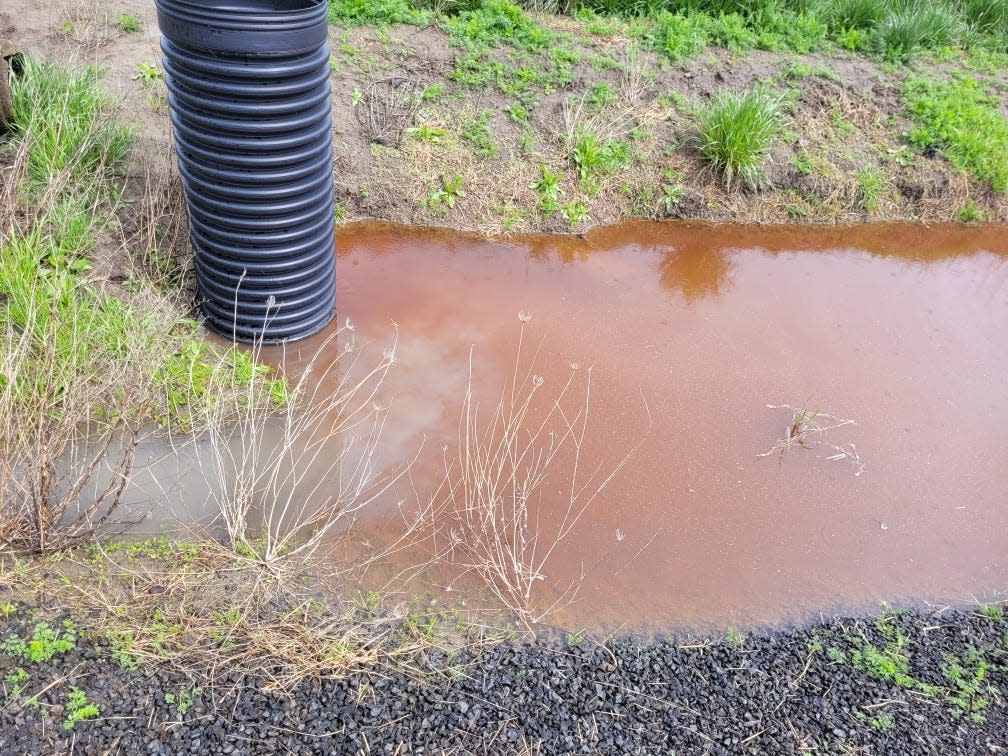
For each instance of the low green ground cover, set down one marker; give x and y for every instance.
(961, 118)
(892, 29)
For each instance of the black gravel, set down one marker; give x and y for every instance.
(787, 692)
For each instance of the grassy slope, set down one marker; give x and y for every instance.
(490, 99)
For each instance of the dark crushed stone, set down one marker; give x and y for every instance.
(627, 696)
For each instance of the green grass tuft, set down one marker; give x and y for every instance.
(736, 132)
(63, 117)
(912, 25)
(852, 14)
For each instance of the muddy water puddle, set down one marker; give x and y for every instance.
(690, 333)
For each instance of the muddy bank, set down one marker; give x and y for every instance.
(906, 684)
(469, 157)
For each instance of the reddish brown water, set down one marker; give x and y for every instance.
(904, 329)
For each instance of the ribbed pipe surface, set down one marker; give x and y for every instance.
(248, 86)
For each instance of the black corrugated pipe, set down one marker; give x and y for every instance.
(248, 85)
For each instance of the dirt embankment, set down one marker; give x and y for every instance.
(414, 145)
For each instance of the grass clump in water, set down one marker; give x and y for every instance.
(960, 118)
(736, 131)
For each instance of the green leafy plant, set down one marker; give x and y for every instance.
(78, 708)
(494, 23)
(882, 723)
(146, 72)
(600, 94)
(446, 195)
(595, 157)
(378, 12)
(128, 24)
(16, 678)
(427, 132)
(967, 683)
(672, 189)
(477, 132)
(803, 163)
(991, 611)
(44, 643)
(574, 212)
(971, 213)
(183, 699)
(735, 638)
(963, 120)
(549, 190)
(735, 133)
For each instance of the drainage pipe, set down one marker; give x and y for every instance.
(248, 88)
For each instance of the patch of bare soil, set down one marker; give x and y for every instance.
(842, 158)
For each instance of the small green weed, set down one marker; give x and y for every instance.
(802, 163)
(78, 708)
(128, 24)
(420, 624)
(447, 194)
(594, 157)
(45, 642)
(967, 687)
(16, 678)
(991, 611)
(493, 23)
(600, 95)
(183, 699)
(574, 212)
(146, 73)
(477, 132)
(377, 12)
(672, 189)
(549, 190)
(734, 638)
(369, 602)
(433, 93)
(836, 655)
(427, 132)
(882, 723)
(575, 639)
(890, 663)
